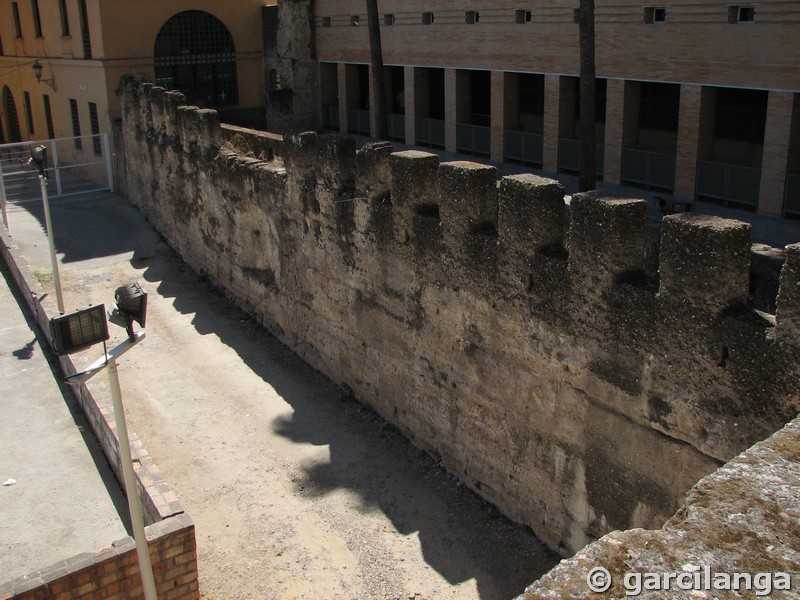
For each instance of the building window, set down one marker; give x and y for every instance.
(576, 15)
(15, 17)
(94, 122)
(326, 21)
(658, 106)
(655, 14)
(1, 47)
(740, 115)
(524, 16)
(37, 19)
(76, 123)
(28, 112)
(427, 18)
(85, 35)
(388, 19)
(194, 53)
(471, 17)
(48, 117)
(355, 20)
(741, 14)
(62, 7)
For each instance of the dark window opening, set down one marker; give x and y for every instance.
(48, 117)
(655, 14)
(15, 17)
(740, 115)
(85, 35)
(94, 123)
(28, 112)
(481, 98)
(659, 105)
(10, 108)
(388, 19)
(355, 20)
(524, 16)
(76, 123)
(531, 94)
(37, 18)
(471, 17)
(326, 21)
(741, 14)
(195, 53)
(427, 18)
(62, 7)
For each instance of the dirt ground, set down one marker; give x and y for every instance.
(296, 489)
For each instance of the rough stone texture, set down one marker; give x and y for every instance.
(743, 518)
(289, 58)
(543, 365)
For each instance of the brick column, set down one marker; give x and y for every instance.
(615, 113)
(410, 97)
(342, 79)
(450, 105)
(498, 116)
(686, 154)
(552, 92)
(776, 153)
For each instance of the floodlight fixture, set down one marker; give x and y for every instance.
(38, 159)
(79, 329)
(131, 305)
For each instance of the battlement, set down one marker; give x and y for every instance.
(516, 333)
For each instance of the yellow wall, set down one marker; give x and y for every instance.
(123, 34)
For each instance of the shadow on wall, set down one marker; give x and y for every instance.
(461, 536)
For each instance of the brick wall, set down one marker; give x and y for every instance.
(114, 572)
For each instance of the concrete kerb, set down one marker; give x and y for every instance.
(159, 503)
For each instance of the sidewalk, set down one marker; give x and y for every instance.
(65, 500)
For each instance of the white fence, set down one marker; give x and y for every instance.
(75, 165)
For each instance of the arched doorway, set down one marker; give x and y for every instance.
(10, 109)
(195, 53)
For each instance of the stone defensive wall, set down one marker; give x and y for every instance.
(111, 572)
(513, 333)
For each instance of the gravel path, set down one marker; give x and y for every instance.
(296, 489)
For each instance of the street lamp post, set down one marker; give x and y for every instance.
(39, 160)
(82, 329)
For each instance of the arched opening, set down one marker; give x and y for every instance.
(195, 53)
(10, 109)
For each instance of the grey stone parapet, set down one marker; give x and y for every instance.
(607, 236)
(787, 315)
(705, 261)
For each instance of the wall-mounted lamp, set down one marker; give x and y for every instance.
(37, 71)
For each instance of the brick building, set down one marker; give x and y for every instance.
(697, 102)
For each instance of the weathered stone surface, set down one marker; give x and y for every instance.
(543, 364)
(743, 518)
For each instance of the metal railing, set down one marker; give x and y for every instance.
(569, 156)
(330, 117)
(429, 132)
(397, 127)
(648, 169)
(728, 184)
(358, 121)
(73, 168)
(525, 148)
(473, 139)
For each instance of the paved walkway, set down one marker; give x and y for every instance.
(59, 505)
(296, 490)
